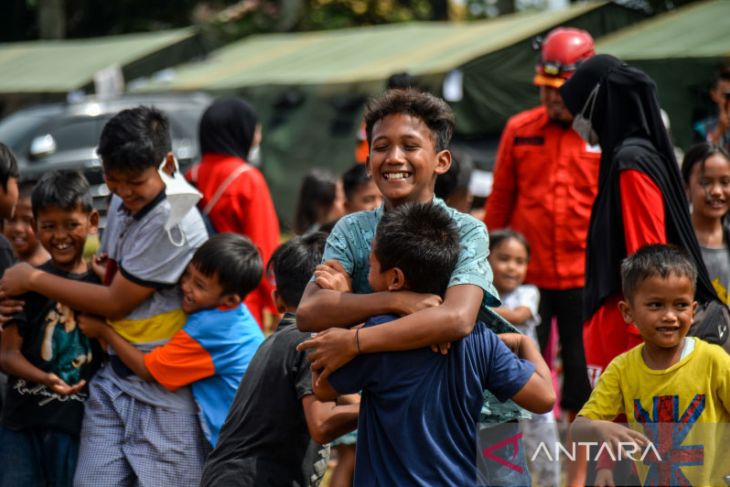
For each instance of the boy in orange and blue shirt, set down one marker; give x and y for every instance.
(220, 337)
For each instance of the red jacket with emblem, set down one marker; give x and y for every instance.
(545, 182)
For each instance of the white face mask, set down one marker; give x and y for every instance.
(181, 196)
(581, 124)
(254, 156)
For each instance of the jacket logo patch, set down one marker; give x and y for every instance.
(536, 140)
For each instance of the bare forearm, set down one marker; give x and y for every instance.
(515, 316)
(15, 364)
(583, 429)
(336, 421)
(82, 296)
(529, 352)
(322, 308)
(451, 321)
(127, 353)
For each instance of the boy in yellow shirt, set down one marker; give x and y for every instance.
(676, 389)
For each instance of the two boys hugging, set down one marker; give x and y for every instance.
(436, 260)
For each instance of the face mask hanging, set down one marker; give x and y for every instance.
(582, 125)
(182, 198)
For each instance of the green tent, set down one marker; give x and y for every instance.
(681, 51)
(47, 70)
(309, 88)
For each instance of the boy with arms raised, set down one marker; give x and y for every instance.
(48, 358)
(409, 133)
(267, 437)
(419, 410)
(149, 240)
(670, 378)
(211, 352)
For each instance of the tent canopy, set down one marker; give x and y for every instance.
(696, 30)
(309, 88)
(363, 54)
(65, 65)
(682, 51)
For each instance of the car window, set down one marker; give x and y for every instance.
(76, 134)
(15, 130)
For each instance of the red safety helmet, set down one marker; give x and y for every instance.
(560, 54)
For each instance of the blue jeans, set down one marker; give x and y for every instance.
(37, 457)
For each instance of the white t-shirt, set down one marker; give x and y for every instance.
(529, 296)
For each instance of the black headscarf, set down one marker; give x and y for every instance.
(228, 127)
(628, 122)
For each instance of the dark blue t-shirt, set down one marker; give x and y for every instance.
(419, 410)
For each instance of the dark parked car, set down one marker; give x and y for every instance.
(65, 135)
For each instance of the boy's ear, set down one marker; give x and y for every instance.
(93, 222)
(230, 300)
(170, 164)
(443, 162)
(395, 278)
(278, 302)
(625, 308)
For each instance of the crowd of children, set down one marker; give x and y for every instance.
(407, 323)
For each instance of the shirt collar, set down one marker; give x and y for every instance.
(436, 201)
(161, 196)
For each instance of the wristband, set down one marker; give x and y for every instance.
(357, 339)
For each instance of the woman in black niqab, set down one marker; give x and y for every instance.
(621, 105)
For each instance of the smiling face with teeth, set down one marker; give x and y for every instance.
(403, 159)
(662, 308)
(63, 234)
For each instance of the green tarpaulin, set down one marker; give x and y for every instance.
(309, 88)
(681, 51)
(47, 70)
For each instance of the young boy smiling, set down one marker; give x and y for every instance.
(670, 378)
(47, 357)
(147, 252)
(212, 351)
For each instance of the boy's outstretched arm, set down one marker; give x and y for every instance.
(537, 395)
(134, 359)
(14, 362)
(453, 320)
(615, 434)
(321, 308)
(328, 420)
(114, 301)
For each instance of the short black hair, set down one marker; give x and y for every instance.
(698, 154)
(8, 165)
(421, 240)
(233, 259)
(655, 260)
(433, 111)
(64, 189)
(353, 179)
(498, 236)
(134, 140)
(293, 264)
(402, 81)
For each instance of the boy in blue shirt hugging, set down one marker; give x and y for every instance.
(135, 431)
(212, 351)
(419, 410)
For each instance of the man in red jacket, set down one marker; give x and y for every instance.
(545, 181)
